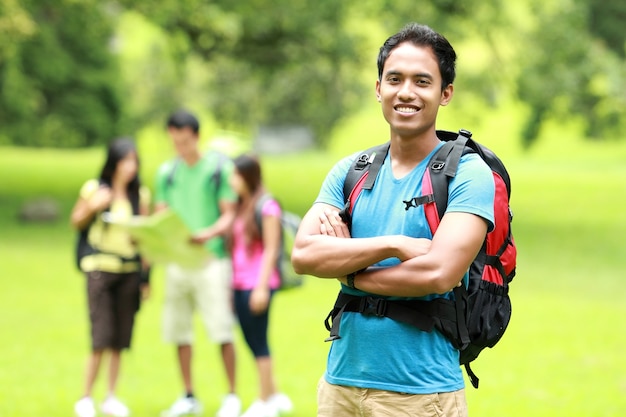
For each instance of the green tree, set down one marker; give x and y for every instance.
(606, 21)
(58, 79)
(564, 59)
(568, 71)
(15, 26)
(268, 62)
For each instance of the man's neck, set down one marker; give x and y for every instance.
(192, 157)
(411, 150)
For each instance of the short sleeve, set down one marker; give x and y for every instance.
(160, 185)
(225, 191)
(331, 191)
(472, 190)
(271, 208)
(88, 189)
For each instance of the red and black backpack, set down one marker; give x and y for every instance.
(478, 315)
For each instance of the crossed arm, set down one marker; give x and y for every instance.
(322, 249)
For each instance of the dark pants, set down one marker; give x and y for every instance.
(253, 326)
(113, 302)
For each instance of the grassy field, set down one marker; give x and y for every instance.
(563, 354)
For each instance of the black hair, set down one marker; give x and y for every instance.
(249, 168)
(422, 35)
(182, 118)
(117, 150)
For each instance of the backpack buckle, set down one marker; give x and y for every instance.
(466, 133)
(373, 306)
(362, 161)
(437, 166)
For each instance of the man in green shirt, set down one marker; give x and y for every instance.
(196, 187)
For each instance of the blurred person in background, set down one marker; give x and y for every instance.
(116, 278)
(255, 250)
(196, 187)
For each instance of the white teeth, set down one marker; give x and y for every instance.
(406, 109)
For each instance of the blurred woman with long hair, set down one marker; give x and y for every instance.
(115, 276)
(255, 251)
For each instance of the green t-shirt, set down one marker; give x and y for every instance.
(193, 192)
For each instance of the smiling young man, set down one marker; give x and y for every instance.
(380, 366)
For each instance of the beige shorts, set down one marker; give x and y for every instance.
(337, 400)
(207, 291)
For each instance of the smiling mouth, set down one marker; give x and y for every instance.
(406, 109)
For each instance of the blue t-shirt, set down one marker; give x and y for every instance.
(381, 353)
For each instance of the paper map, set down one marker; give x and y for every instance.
(163, 238)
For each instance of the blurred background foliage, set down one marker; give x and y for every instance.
(76, 73)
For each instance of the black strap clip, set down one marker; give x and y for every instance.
(362, 162)
(373, 306)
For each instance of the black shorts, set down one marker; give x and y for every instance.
(113, 302)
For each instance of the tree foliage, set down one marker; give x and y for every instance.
(285, 62)
(606, 21)
(565, 58)
(58, 77)
(573, 73)
(282, 62)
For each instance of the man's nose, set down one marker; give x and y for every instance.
(406, 92)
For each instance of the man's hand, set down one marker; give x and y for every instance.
(405, 246)
(332, 225)
(202, 236)
(410, 247)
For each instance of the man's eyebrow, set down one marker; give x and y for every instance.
(418, 75)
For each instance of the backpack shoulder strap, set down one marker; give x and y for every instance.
(362, 175)
(258, 210)
(216, 177)
(170, 176)
(444, 164)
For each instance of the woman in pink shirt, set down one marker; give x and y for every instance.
(255, 250)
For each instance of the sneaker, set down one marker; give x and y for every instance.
(231, 406)
(259, 408)
(183, 406)
(85, 408)
(114, 407)
(280, 403)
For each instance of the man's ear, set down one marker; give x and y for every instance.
(446, 95)
(378, 90)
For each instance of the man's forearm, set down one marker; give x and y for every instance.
(436, 271)
(412, 278)
(331, 257)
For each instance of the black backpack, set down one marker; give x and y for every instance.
(478, 315)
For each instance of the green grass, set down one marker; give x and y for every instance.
(562, 355)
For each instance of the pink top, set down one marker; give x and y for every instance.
(247, 264)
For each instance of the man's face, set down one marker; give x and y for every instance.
(185, 140)
(410, 90)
